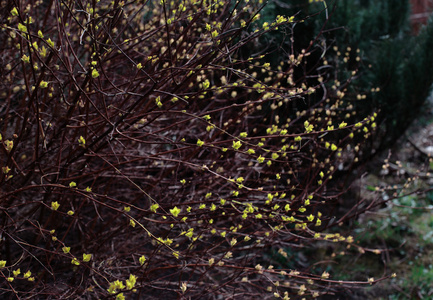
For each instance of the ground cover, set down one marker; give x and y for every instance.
(397, 236)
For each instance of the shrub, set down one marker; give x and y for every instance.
(380, 31)
(144, 153)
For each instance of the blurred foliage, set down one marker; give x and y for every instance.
(395, 64)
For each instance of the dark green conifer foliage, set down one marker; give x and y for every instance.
(392, 58)
(400, 64)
